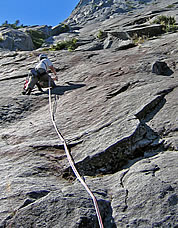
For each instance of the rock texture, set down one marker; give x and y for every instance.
(14, 39)
(88, 11)
(119, 119)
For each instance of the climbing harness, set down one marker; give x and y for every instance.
(52, 112)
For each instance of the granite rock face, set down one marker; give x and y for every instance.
(14, 39)
(120, 122)
(88, 11)
(44, 29)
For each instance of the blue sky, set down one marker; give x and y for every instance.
(36, 12)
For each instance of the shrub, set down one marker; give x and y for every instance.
(70, 45)
(129, 5)
(37, 37)
(64, 28)
(101, 34)
(95, 6)
(167, 21)
(14, 25)
(170, 6)
(139, 39)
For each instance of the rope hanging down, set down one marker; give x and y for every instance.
(71, 161)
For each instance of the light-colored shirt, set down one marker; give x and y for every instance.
(44, 64)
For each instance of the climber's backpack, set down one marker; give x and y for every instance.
(34, 72)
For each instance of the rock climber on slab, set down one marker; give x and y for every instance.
(40, 74)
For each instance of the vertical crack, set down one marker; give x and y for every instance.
(126, 190)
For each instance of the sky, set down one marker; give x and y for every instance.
(36, 12)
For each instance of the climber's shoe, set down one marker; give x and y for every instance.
(27, 92)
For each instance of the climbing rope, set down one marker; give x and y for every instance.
(52, 112)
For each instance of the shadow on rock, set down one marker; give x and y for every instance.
(161, 68)
(60, 90)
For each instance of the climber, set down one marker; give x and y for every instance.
(40, 74)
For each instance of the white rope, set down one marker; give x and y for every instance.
(72, 163)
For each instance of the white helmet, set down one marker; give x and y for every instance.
(43, 56)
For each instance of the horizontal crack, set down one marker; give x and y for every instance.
(152, 170)
(55, 146)
(14, 77)
(121, 90)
